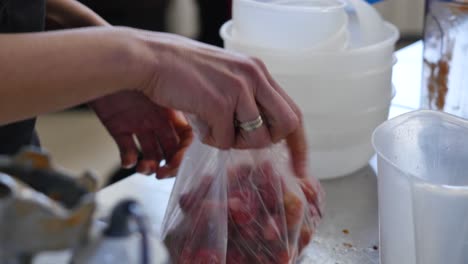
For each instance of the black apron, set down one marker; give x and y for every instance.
(19, 16)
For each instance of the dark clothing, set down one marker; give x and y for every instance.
(22, 15)
(213, 14)
(143, 14)
(17, 16)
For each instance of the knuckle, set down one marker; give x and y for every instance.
(242, 87)
(249, 64)
(251, 72)
(245, 89)
(219, 106)
(258, 62)
(221, 142)
(263, 142)
(292, 125)
(292, 122)
(288, 125)
(299, 115)
(276, 136)
(277, 140)
(206, 140)
(240, 83)
(223, 145)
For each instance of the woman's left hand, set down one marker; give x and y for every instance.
(163, 134)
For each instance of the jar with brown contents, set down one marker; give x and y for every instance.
(445, 67)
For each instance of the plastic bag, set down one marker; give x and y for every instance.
(240, 206)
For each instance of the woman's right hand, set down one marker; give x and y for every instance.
(219, 87)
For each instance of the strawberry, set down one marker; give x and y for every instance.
(232, 230)
(261, 259)
(243, 206)
(282, 257)
(269, 198)
(249, 233)
(280, 251)
(176, 239)
(312, 195)
(259, 254)
(305, 236)
(293, 209)
(272, 230)
(204, 186)
(235, 255)
(264, 174)
(268, 187)
(266, 223)
(271, 256)
(262, 251)
(190, 200)
(207, 256)
(313, 214)
(187, 201)
(309, 192)
(185, 257)
(238, 176)
(208, 224)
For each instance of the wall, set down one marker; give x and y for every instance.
(407, 15)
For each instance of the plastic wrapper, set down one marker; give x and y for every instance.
(240, 206)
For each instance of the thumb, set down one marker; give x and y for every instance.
(297, 144)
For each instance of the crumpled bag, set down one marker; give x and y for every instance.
(240, 206)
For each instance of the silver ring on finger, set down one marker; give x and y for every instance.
(251, 125)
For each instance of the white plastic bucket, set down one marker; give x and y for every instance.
(287, 24)
(322, 62)
(340, 144)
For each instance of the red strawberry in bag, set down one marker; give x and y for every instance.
(244, 206)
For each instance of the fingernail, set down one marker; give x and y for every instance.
(144, 170)
(128, 166)
(145, 173)
(160, 174)
(128, 161)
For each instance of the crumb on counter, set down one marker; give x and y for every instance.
(348, 245)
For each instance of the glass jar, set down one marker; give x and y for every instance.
(445, 66)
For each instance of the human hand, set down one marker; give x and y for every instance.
(162, 133)
(219, 87)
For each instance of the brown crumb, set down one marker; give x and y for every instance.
(346, 231)
(348, 245)
(375, 247)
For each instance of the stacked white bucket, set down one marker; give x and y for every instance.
(334, 59)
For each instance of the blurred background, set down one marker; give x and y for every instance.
(76, 139)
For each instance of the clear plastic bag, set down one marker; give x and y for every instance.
(240, 206)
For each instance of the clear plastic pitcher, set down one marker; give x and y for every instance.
(423, 188)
